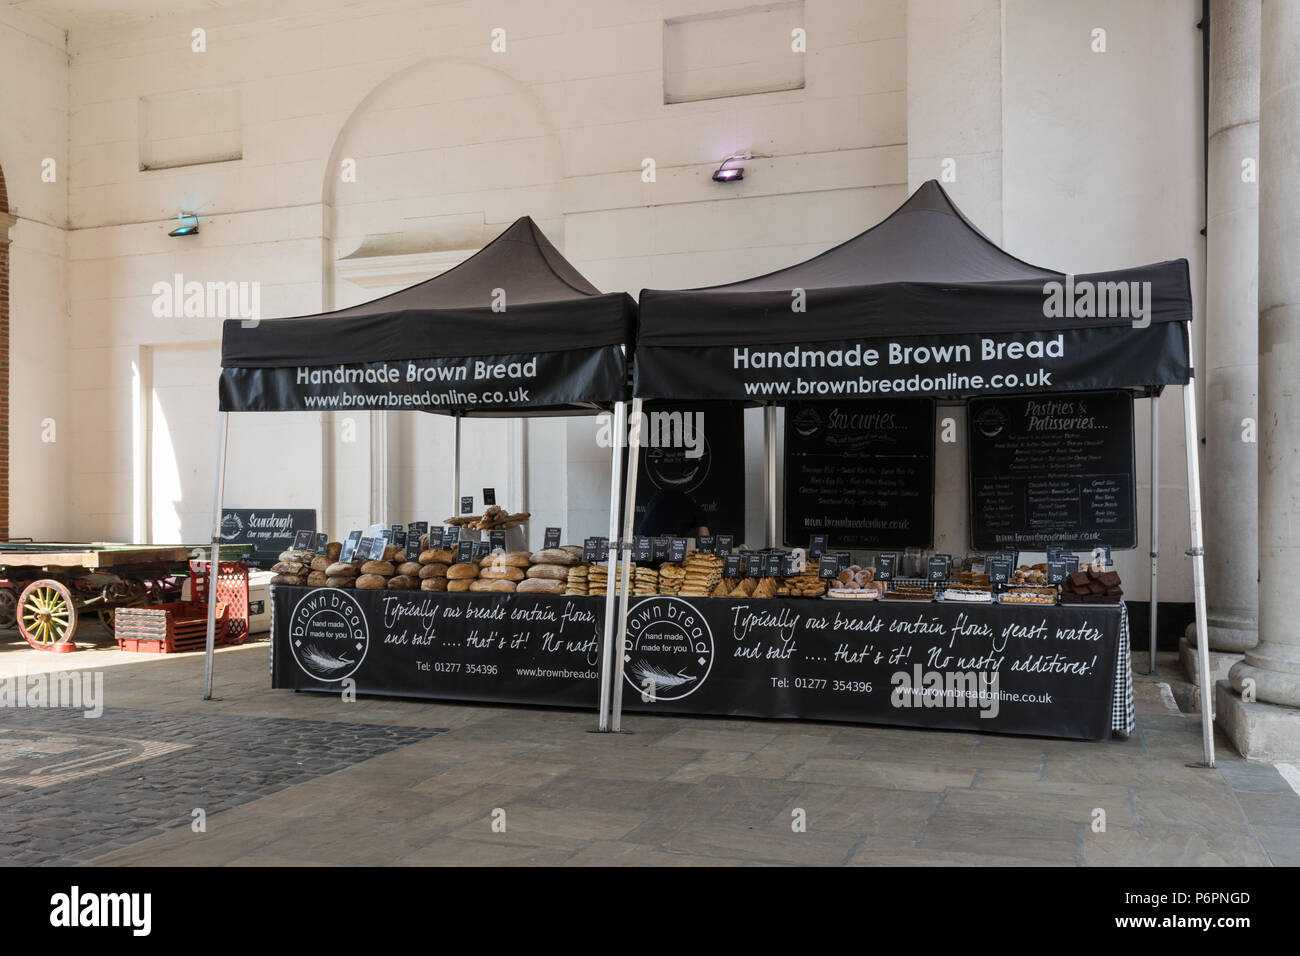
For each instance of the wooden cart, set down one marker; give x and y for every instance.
(46, 585)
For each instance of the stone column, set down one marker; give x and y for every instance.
(1231, 341)
(1273, 666)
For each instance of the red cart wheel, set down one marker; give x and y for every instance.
(8, 608)
(47, 616)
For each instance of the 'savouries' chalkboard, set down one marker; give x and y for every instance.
(1052, 470)
(861, 472)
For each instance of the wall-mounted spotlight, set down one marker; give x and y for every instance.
(730, 174)
(189, 225)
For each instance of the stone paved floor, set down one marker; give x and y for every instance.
(307, 779)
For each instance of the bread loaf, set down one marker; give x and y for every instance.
(459, 572)
(502, 574)
(433, 570)
(506, 559)
(289, 567)
(379, 567)
(296, 579)
(302, 556)
(395, 554)
(540, 586)
(316, 579)
(554, 572)
(456, 585)
(501, 586)
(320, 563)
(333, 550)
(342, 569)
(402, 582)
(437, 556)
(554, 556)
(433, 584)
(339, 582)
(409, 568)
(371, 582)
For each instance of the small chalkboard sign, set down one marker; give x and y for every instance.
(706, 544)
(467, 504)
(464, 551)
(939, 568)
(398, 536)
(1013, 557)
(643, 549)
(1056, 571)
(731, 565)
(773, 564)
(450, 536)
(659, 549)
(602, 549)
(817, 544)
(844, 559)
(726, 543)
(415, 531)
(886, 565)
(303, 540)
(489, 497)
(999, 569)
(1055, 552)
(350, 546)
(363, 549)
(497, 539)
(378, 547)
(590, 549)
(1071, 563)
(677, 549)
(552, 538)
(322, 542)
(828, 566)
(482, 549)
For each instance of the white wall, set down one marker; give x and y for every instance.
(33, 127)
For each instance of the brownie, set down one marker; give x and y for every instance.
(1109, 578)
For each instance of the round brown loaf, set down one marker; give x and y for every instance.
(433, 584)
(403, 582)
(460, 585)
(320, 563)
(554, 572)
(554, 556)
(296, 579)
(502, 574)
(540, 586)
(379, 567)
(436, 556)
(507, 559)
(303, 556)
(339, 582)
(502, 586)
(395, 554)
(460, 572)
(316, 579)
(371, 582)
(341, 569)
(288, 567)
(433, 570)
(409, 568)
(333, 550)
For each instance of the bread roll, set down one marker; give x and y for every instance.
(460, 572)
(402, 582)
(502, 586)
(555, 556)
(379, 567)
(507, 559)
(320, 563)
(433, 570)
(456, 585)
(437, 556)
(371, 582)
(295, 579)
(409, 568)
(540, 586)
(554, 572)
(502, 574)
(341, 569)
(339, 582)
(316, 579)
(289, 567)
(433, 584)
(333, 550)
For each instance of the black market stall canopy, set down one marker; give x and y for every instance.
(514, 328)
(922, 304)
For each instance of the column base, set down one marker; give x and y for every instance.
(1271, 686)
(1220, 664)
(1232, 635)
(1265, 733)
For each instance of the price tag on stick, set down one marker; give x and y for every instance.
(552, 538)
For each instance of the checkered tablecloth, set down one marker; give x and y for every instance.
(1122, 719)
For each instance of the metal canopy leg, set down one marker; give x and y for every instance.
(769, 475)
(629, 519)
(214, 567)
(1155, 524)
(1197, 553)
(611, 609)
(455, 466)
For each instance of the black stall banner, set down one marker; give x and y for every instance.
(536, 380)
(512, 648)
(860, 473)
(1052, 472)
(699, 451)
(917, 366)
(269, 531)
(1000, 668)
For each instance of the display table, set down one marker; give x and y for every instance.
(1060, 671)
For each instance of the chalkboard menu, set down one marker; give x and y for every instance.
(860, 472)
(269, 531)
(1052, 471)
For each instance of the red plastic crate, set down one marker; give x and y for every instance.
(168, 628)
(232, 590)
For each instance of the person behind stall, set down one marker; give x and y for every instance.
(672, 514)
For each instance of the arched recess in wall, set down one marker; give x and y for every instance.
(432, 164)
(5, 222)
